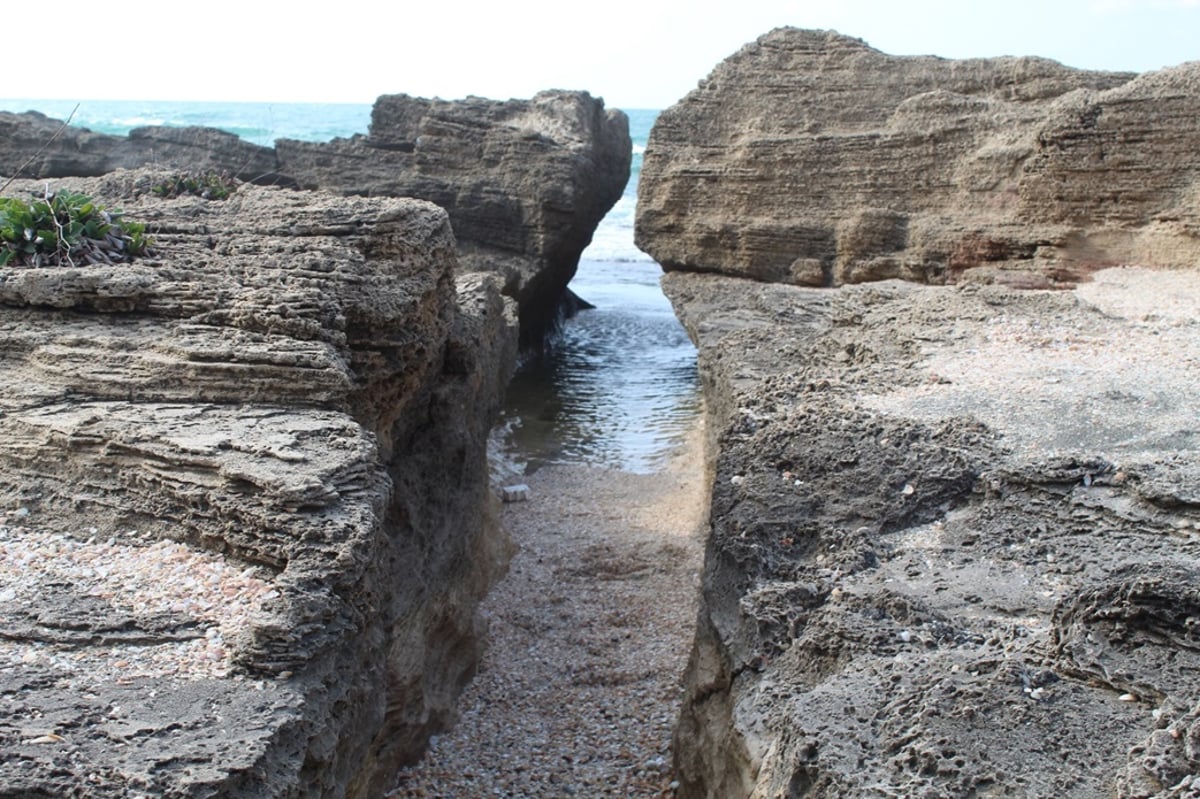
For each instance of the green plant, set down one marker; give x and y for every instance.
(209, 185)
(66, 228)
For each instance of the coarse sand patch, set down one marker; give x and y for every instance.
(589, 636)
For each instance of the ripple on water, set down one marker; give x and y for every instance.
(620, 388)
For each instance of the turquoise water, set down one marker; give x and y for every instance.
(619, 389)
(260, 123)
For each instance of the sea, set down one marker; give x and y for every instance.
(618, 389)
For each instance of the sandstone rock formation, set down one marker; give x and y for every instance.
(810, 158)
(247, 515)
(954, 528)
(954, 540)
(525, 182)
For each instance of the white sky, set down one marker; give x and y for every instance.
(634, 53)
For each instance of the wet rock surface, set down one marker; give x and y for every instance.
(812, 159)
(953, 539)
(247, 513)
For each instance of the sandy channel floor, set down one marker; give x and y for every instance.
(589, 636)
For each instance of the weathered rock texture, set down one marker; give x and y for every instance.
(301, 385)
(525, 182)
(35, 146)
(954, 529)
(954, 540)
(810, 158)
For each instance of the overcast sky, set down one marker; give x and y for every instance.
(634, 53)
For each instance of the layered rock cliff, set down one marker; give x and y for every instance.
(810, 158)
(525, 182)
(953, 528)
(247, 508)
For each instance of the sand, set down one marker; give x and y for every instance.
(589, 636)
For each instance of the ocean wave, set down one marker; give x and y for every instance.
(133, 122)
(624, 257)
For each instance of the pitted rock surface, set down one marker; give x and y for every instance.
(953, 539)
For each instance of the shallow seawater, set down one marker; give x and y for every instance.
(619, 389)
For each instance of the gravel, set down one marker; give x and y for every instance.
(589, 636)
(145, 580)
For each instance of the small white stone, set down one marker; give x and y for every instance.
(737, 479)
(904, 635)
(1126, 698)
(908, 490)
(516, 493)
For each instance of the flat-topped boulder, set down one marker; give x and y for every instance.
(810, 158)
(247, 517)
(525, 182)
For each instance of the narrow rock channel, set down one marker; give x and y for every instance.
(589, 635)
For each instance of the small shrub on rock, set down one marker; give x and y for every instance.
(209, 186)
(66, 228)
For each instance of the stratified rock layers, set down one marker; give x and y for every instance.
(525, 182)
(302, 386)
(954, 528)
(810, 158)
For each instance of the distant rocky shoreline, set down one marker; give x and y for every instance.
(525, 182)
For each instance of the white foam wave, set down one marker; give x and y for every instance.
(135, 122)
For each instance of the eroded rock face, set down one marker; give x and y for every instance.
(525, 182)
(953, 528)
(954, 540)
(288, 407)
(810, 158)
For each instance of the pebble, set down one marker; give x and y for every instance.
(515, 493)
(579, 688)
(164, 577)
